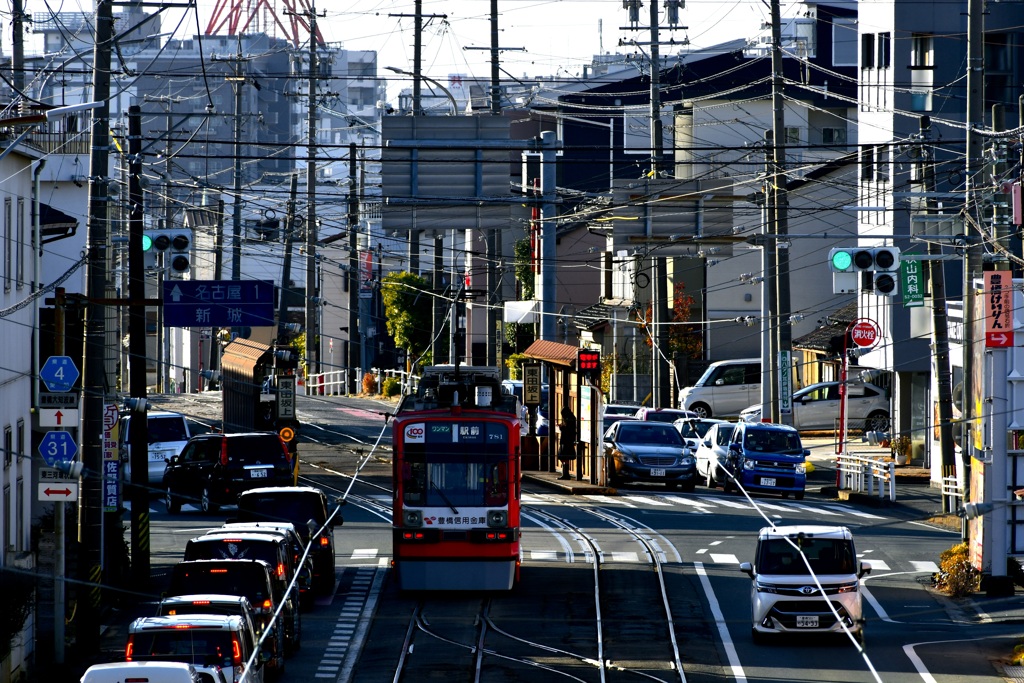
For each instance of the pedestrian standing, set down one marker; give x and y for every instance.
(567, 441)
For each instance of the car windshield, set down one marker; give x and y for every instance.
(650, 433)
(166, 429)
(619, 410)
(202, 647)
(664, 415)
(232, 549)
(693, 429)
(773, 441)
(297, 508)
(826, 556)
(248, 449)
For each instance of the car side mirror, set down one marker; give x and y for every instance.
(807, 452)
(734, 448)
(747, 569)
(719, 382)
(312, 526)
(865, 568)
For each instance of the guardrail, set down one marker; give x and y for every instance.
(867, 475)
(333, 383)
(952, 493)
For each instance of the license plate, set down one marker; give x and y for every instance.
(805, 621)
(770, 481)
(257, 474)
(656, 472)
(157, 456)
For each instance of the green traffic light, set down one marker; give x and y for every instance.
(147, 242)
(841, 260)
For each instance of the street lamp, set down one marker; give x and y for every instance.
(451, 98)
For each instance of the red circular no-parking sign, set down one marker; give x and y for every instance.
(865, 333)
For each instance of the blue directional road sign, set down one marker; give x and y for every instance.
(218, 303)
(59, 373)
(57, 446)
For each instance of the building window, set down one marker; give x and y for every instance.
(792, 135)
(884, 50)
(921, 51)
(833, 136)
(922, 65)
(8, 246)
(6, 517)
(19, 273)
(8, 446)
(867, 51)
(882, 164)
(844, 42)
(867, 163)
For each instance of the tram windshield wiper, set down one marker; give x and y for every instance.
(438, 489)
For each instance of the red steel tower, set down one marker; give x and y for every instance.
(235, 17)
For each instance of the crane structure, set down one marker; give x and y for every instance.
(289, 19)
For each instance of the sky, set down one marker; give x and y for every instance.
(543, 37)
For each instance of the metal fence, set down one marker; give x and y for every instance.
(867, 475)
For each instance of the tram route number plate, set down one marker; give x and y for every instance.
(806, 621)
(769, 481)
(656, 472)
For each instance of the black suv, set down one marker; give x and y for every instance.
(215, 468)
(298, 505)
(249, 578)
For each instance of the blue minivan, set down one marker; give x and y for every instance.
(767, 458)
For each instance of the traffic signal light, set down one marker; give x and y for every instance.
(883, 263)
(174, 243)
(588, 363)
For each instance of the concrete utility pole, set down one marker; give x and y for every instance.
(355, 331)
(546, 286)
(940, 322)
(91, 518)
(286, 268)
(312, 332)
(778, 281)
(237, 81)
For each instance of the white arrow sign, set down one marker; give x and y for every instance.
(58, 417)
(58, 490)
(176, 294)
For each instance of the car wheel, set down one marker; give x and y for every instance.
(709, 481)
(296, 632)
(613, 478)
(671, 486)
(757, 636)
(785, 494)
(689, 486)
(859, 636)
(172, 502)
(703, 410)
(877, 421)
(206, 502)
(799, 495)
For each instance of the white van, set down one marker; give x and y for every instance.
(168, 434)
(784, 597)
(725, 388)
(148, 672)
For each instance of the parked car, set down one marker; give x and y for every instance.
(214, 468)
(725, 388)
(636, 450)
(285, 530)
(249, 578)
(621, 409)
(166, 434)
(693, 429)
(299, 505)
(767, 457)
(226, 605)
(784, 598)
(206, 641)
(817, 407)
(611, 418)
(712, 449)
(663, 414)
(274, 549)
(149, 672)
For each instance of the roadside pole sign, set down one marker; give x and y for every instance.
(531, 385)
(58, 491)
(57, 446)
(59, 373)
(911, 283)
(58, 400)
(111, 460)
(58, 417)
(865, 333)
(998, 308)
(785, 383)
(286, 397)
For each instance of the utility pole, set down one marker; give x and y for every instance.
(779, 199)
(218, 267)
(940, 322)
(237, 81)
(355, 332)
(545, 289)
(91, 517)
(286, 268)
(312, 333)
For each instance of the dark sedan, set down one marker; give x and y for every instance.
(636, 450)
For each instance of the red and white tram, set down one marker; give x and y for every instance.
(457, 482)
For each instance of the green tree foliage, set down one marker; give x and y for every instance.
(525, 278)
(407, 309)
(683, 340)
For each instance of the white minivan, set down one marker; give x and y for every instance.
(148, 672)
(168, 433)
(784, 594)
(725, 388)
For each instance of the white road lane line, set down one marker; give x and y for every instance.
(723, 629)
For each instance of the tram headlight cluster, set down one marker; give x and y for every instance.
(497, 518)
(413, 518)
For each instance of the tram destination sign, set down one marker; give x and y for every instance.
(218, 303)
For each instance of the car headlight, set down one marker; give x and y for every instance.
(847, 587)
(749, 464)
(687, 461)
(762, 587)
(626, 456)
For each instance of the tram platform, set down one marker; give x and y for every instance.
(571, 486)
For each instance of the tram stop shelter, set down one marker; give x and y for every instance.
(568, 388)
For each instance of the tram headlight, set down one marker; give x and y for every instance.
(412, 518)
(497, 518)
